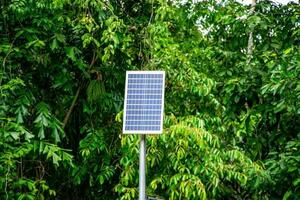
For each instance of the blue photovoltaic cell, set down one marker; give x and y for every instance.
(129, 92)
(157, 123)
(143, 76)
(142, 128)
(144, 101)
(146, 81)
(143, 112)
(135, 118)
(143, 96)
(143, 106)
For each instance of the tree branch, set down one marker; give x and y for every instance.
(66, 119)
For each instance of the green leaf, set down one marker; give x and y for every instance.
(28, 136)
(55, 135)
(55, 159)
(60, 37)
(287, 195)
(41, 133)
(54, 44)
(15, 135)
(296, 182)
(71, 53)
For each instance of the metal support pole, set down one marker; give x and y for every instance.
(142, 176)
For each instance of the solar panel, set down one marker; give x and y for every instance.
(143, 105)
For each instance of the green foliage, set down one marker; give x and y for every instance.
(284, 166)
(20, 149)
(95, 90)
(231, 119)
(187, 162)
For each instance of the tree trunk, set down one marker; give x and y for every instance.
(250, 40)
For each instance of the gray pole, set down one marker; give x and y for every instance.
(142, 178)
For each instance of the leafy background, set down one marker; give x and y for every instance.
(231, 128)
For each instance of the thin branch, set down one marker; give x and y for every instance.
(5, 58)
(6, 182)
(151, 14)
(66, 119)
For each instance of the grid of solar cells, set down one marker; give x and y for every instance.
(143, 111)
